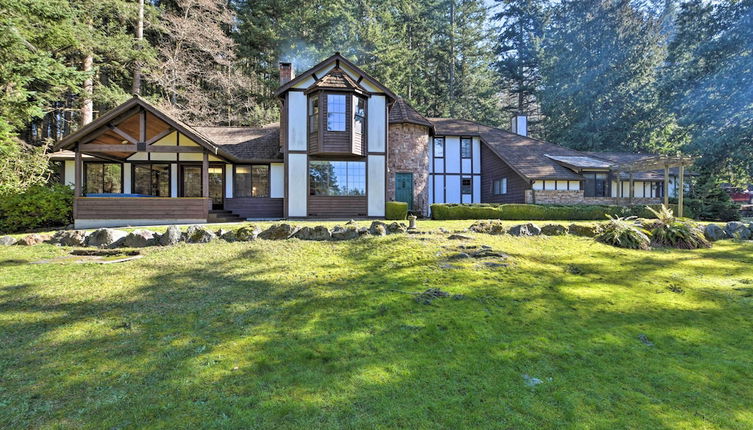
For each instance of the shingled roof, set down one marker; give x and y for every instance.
(402, 112)
(246, 143)
(336, 78)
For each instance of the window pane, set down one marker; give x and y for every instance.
(466, 186)
(465, 148)
(93, 178)
(335, 112)
(142, 179)
(260, 181)
(359, 114)
(152, 179)
(191, 181)
(111, 180)
(314, 113)
(102, 178)
(438, 147)
(337, 178)
(242, 181)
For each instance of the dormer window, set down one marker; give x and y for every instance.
(314, 113)
(336, 112)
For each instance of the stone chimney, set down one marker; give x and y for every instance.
(286, 72)
(519, 125)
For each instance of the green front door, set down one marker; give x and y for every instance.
(404, 188)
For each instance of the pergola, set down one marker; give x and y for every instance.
(657, 163)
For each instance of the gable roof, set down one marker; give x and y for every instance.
(337, 59)
(131, 107)
(247, 143)
(336, 78)
(401, 112)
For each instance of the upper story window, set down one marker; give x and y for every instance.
(466, 147)
(335, 112)
(251, 181)
(337, 178)
(359, 114)
(102, 178)
(314, 113)
(438, 147)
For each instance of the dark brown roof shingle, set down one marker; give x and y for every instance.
(402, 113)
(246, 143)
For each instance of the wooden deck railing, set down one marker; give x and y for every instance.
(140, 208)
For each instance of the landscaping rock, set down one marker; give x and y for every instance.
(347, 233)
(528, 229)
(737, 230)
(494, 265)
(429, 295)
(247, 233)
(278, 232)
(396, 228)
(351, 222)
(459, 237)
(171, 236)
(713, 232)
(487, 253)
(319, 232)
(362, 231)
(554, 230)
(7, 241)
(33, 239)
(459, 256)
(222, 232)
(140, 239)
(199, 234)
(106, 238)
(488, 227)
(585, 230)
(227, 235)
(378, 228)
(643, 338)
(69, 238)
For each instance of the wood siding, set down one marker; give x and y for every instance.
(493, 168)
(336, 143)
(337, 206)
(255, 207)
(140, 208)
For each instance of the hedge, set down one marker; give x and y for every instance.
(525, 212)
(396, 210)
(38, 207)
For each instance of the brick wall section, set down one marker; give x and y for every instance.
(409, 153)
(564, 197)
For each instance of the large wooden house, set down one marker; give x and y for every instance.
(345, 146)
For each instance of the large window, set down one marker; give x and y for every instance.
(314, 113)
(466, 147)
(251, 181)
(151, 179)
(359, 114)
(438, 147)
(103, 178)
(337, 178)
(595, 185)
(335, 112)
(499, 186)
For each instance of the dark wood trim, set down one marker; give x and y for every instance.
(95, 147)
(123, 134)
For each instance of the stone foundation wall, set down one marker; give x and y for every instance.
(564, 197)
(409, 153)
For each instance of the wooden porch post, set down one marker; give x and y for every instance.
(681, 192)
(205, 176)
(77, 170)
(666, 184)
(632, 188)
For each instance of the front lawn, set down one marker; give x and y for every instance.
(292, 334)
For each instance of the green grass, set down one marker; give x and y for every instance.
(298, 334)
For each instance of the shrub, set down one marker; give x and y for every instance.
(669, 231)
(396, 210)
(526, 212)
(455, 211)
(39, 206)
(709, 202)
(624, 233)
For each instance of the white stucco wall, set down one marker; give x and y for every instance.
(277, 180)
(439, 189)
(376, 125)
(375, 185)
(127, 178)
(476, 155)
(174, 180)
(229, 181)
(452, 154)
(452, 188)
(70, 173)
(297, 185)
(297, 121)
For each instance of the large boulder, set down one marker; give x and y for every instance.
(106, 238)
(69, 238)
(171, 236)
(585, 230)
(278, 232)
(140, 239)
(554, 230)
(319, 232)
(713, 232)
(247, 233)
(378, 228)
(33, 239)
(488, 227)
(347, 233)
(396, 228)
(737, 230)
(199, 234)
(7, 241)
(528, 229)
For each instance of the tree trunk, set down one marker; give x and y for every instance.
(139, 39)
(87, 106)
